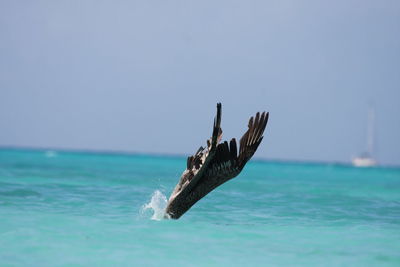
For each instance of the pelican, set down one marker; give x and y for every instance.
(214, 165)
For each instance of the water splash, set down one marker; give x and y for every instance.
(157, 204)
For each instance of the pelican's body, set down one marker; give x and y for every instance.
(215, 164)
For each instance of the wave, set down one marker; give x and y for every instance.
(20, 193)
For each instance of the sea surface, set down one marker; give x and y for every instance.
(85, 209)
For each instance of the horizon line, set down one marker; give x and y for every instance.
(177, 155)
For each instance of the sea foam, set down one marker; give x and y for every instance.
(157, 204)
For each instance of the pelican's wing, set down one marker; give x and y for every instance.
(227, 163)
(197, 163)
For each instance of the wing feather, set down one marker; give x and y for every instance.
(233, 148)
(252, 138)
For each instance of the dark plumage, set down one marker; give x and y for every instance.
(212, 166)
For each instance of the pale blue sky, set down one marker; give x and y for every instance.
(145, 76)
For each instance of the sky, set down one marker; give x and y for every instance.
(145, 76)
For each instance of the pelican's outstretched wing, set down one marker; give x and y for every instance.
(198, 163)
(227, 163)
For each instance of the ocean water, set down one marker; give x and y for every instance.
(82, 209)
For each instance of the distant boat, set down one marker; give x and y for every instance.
(366, 159)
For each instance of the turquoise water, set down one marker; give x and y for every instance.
(80, 209)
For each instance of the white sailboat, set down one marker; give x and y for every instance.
(366, 159)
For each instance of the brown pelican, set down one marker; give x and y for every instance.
(212, 166)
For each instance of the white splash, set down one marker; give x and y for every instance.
(158, 204)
